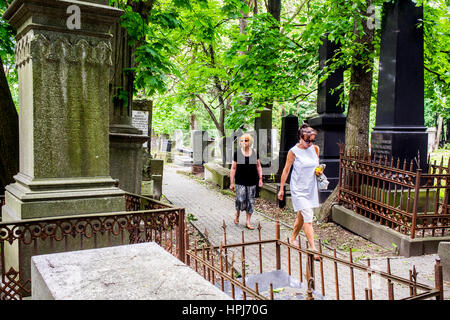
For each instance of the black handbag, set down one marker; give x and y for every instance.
(281, 203)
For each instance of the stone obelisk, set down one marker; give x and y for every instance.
(330, 121)
(399, 130)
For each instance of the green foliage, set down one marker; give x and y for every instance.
(191, 57)
(7, 43)
(436, 24)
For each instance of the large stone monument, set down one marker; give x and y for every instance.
(63, 120)
(399, 130)
(63, 98)
(330, 121)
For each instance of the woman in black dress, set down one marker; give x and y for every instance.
(245, 175)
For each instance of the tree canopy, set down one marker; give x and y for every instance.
(194, 56)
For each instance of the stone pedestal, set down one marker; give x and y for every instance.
(399, 129)
(63, 120)
(330, 122)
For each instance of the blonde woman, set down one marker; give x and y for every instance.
(245, 175)
(304, 157)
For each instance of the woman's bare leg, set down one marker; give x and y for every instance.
(249, 215)
(297, 226)
(236, 218)
(309, 231)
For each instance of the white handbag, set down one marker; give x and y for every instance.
(322, 182)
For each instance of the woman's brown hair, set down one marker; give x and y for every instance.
(306, 130)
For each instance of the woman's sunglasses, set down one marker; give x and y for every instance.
(245, 140)
(310, 140)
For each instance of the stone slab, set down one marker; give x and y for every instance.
(217, 174)
(383, 235)
(444, 254)
(142, 271)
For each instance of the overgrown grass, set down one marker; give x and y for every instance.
(440, 154)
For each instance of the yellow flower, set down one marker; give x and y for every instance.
(319, 170)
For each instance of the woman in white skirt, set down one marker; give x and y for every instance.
(304, 157)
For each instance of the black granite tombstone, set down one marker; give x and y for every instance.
(399, 130)
(289, 137)
(330, 123)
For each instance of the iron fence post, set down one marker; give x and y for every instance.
(416, 203)
(181, 237)
(439, 280)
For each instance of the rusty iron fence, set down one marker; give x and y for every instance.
(393, 193)
(145, 220)
(331, 277)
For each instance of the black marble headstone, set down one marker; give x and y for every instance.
(399, 130)
(289, 138)
(330, 123)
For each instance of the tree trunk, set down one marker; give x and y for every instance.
(357, 125)
(438, 134)
(9, 134)
(274, 8)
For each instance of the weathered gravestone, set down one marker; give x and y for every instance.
(63, 122)
(330, 123)
(200, 141)
(399, 129)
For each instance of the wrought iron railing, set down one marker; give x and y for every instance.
(331, 277)
(158, 222)
(395, 194)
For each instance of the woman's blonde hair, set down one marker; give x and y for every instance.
(249, 136)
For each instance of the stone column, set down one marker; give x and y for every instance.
(330, 122)
(399, 130)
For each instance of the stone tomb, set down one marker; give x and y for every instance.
(142, 271)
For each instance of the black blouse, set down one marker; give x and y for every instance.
(246, 171)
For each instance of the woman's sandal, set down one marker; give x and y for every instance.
(249, 227)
